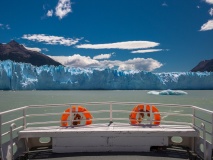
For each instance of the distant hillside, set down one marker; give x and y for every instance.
(206, 65)
(18, 53)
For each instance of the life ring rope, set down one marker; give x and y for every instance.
(77, 111)
(142, 109)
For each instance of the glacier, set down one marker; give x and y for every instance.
(23, 76)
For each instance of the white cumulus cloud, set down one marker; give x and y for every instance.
(7, 26)
(77, 60)
(32, 48)
(50, 13)
(207, 26)
(45, 49)
(53, 40)
(36, 49)
(147, 51)
(148, 64)
(165, 4)
(4, 26)
(120, 45)
(103, 56)
(211, 11)
(63, 8)
(209, 1)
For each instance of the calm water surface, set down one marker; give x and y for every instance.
(14, 99)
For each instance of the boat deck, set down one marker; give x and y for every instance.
(120, 140)
(172, 153)
(34, 136)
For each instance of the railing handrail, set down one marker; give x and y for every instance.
(98, 103)
(13, 110)
(110, 110)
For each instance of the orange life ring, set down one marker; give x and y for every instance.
(140, 108)
(80, 109)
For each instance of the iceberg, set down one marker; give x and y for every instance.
(23, 76)
(168, 92)
(153, 92)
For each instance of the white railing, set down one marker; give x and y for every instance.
(24, 117)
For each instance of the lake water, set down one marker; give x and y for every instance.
(14, 99)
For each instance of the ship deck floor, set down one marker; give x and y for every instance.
(160, 153)
(169, 153)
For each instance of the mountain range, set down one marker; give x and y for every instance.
(18, 53)
(206, 65)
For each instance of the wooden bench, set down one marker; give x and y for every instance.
(119, 137)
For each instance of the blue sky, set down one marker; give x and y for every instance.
(150, 35)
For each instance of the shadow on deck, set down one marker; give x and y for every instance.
(156, 153)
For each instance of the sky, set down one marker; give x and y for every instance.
(148, 35)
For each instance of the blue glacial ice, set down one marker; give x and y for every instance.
(168, 92)
(22, 76)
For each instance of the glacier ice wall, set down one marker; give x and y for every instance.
(22, 76)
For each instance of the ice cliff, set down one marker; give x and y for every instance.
(22, 76)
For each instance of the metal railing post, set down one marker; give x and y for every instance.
(11, 138)
(151, 115)
(71, 115)
(204, 140)
(193, 116)
(212, 132)
(1, 153)
(193, 123)
(24, 119)
(110, 112)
